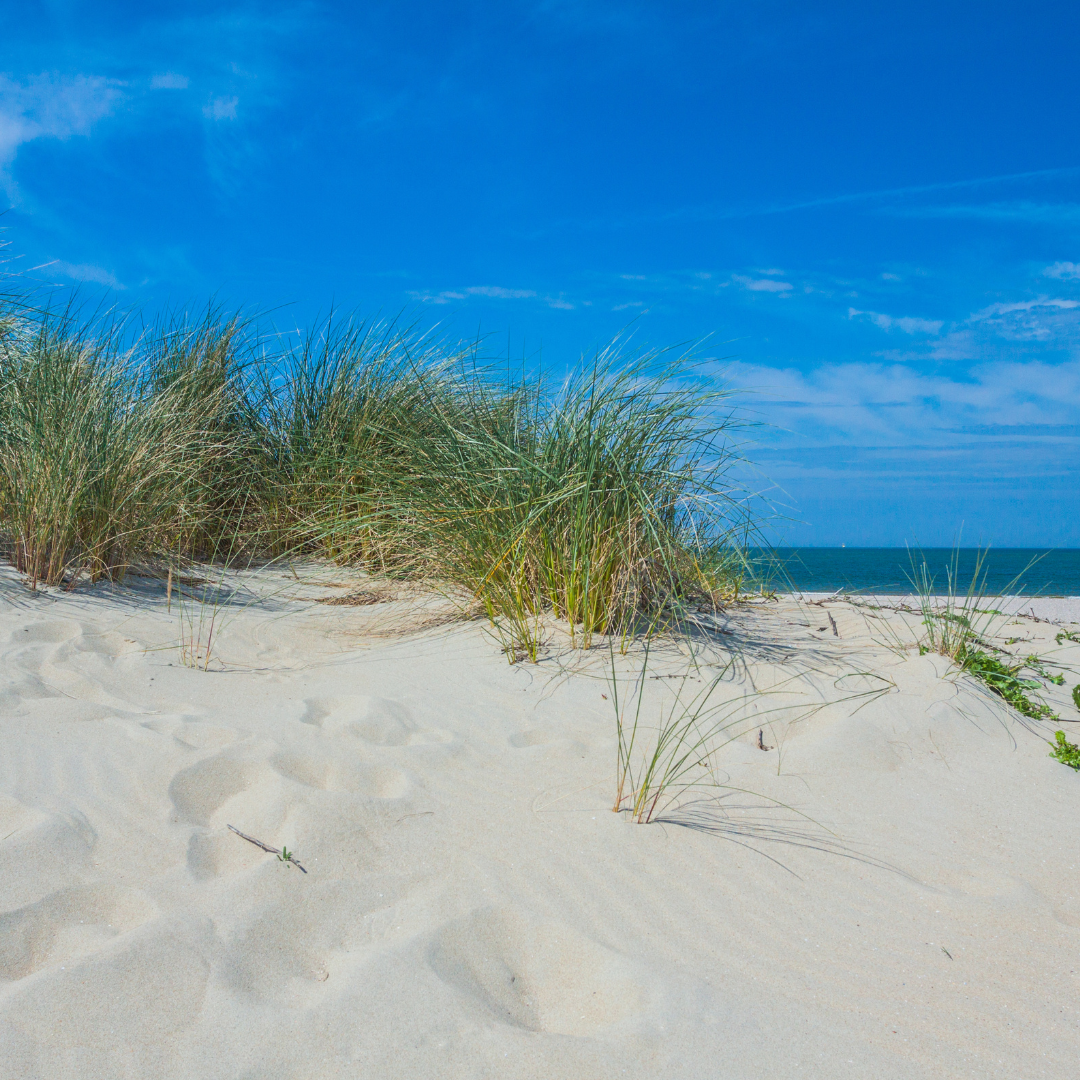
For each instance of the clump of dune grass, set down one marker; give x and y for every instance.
(340, 411)
(659, 763)
(603, 503)
(606, 504)
(98, 461)
(960, 625)
(652, 772)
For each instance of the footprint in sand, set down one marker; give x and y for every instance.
(203, 791)
(376, 720)
(332, 773)
(68, 923)
(135, 991)
(259, 794)
(48, 849)
(58, 658)
(540, 976)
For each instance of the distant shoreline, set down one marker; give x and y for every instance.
(894, 571)
(1064, 609)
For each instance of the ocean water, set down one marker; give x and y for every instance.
(1034, 572)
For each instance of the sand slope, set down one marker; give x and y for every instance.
(472, 908)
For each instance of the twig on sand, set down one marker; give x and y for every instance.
(283, 854)
(832, 623)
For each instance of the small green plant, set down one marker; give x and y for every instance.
(1066, 752)
(680, 756)
(1004, 680)
(1067, 635)
(655, 770)
(1036, 665)
(1076, 696)
(283, 855)
(199, 619)
(954, 620)
(959, 625)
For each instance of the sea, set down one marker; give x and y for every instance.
(1029, 571)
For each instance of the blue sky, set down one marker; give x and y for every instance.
(869, 211)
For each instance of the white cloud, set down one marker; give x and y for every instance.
(630, 304)
(771, 273)
(995, 310)
(49, 106)
(169, 80)
(221, 108)
(905, 323)
(1024, 211)
(86, 272)
(886, 276)
(1064, 271)
(499, 292)
(763, 284)
(562, 305)
(496, 292)
(865, 403)
(1002, 331)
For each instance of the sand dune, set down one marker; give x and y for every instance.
(890, 890)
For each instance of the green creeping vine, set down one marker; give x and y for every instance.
(1006, 683)
(1036, 665)
(1066, 752)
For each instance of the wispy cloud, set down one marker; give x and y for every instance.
(499, 293)
(995, 310)
(875, 403)
(900, 198)
(49, 106)
(495, 292)
(769, 285)
(1063, 271)
(221, 108)
(86, 272)
(169, 80)
(1035, 213)
(906, 323)
(1004, 330)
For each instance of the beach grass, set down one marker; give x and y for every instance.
(603, 501)
(960, 624)
(108, 451)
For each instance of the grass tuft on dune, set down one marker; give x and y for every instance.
(605, 501)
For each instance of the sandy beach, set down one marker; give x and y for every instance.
(886, 886)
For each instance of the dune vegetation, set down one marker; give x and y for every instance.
(603, 499)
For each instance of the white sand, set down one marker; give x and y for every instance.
(472, 907)
(1059, 609)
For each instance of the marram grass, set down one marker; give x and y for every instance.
(98, 465)
(603, 502)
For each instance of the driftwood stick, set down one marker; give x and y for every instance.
(279, 852)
